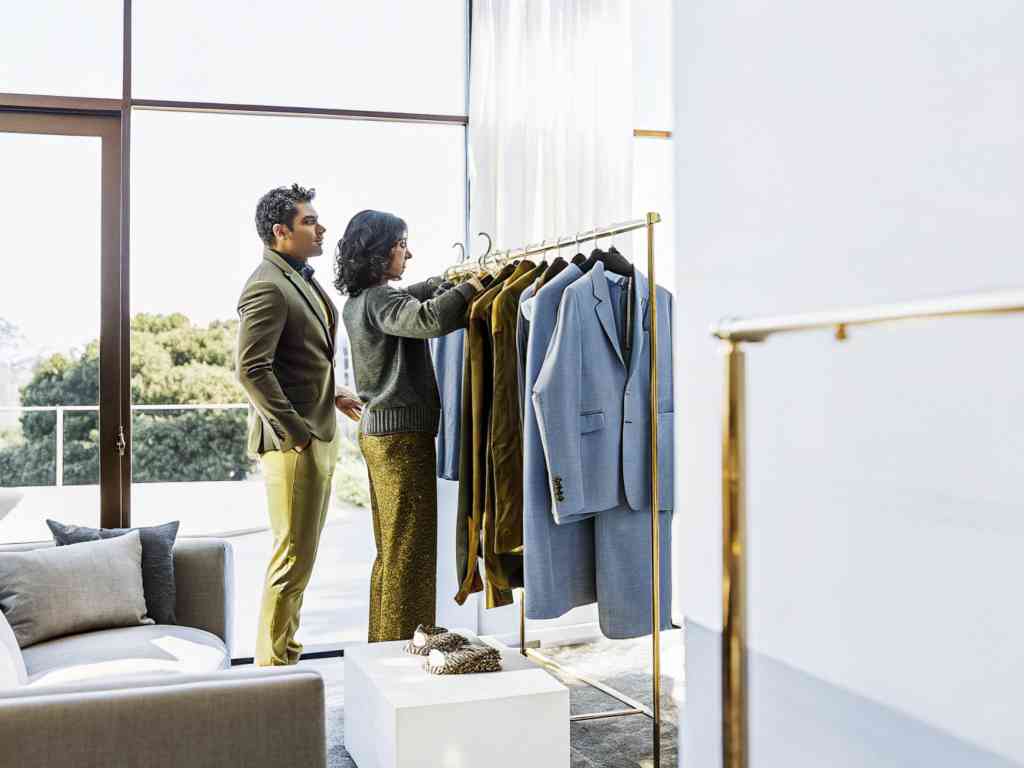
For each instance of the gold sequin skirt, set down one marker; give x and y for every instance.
(403, 495)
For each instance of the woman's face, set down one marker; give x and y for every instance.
(400, 254)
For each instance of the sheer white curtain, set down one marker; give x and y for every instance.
(551, 118)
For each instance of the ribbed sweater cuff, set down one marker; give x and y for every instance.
(390, 421)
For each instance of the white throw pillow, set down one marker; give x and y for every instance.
(59, 591)
(12, 663)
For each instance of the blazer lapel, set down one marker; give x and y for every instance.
(332, 313)
(604, 308)
(304, 289)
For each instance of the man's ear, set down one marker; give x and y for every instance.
(280, 231)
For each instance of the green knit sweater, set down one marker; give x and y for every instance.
(387, 332)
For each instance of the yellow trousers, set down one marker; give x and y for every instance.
(403, 494)
(298, 494)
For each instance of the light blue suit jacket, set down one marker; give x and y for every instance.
(558, 559)
(447, 353)
(591, 400)
(593, 410)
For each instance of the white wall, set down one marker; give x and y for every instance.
(850, 153)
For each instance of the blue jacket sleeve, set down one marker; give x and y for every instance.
(556, 400)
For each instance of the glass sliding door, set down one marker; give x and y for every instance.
(59, 327)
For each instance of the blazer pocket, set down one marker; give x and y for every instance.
(591, 421)
(300, 393)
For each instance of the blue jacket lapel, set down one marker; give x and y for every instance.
(604, 308)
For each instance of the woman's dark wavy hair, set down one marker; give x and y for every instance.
(364, 250)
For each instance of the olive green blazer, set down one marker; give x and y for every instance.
(476, 524)
(285, 357)
(505, 439)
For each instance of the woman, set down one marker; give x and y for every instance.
(387, 330)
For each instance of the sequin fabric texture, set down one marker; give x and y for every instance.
(403, 497)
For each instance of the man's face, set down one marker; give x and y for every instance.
(305, 238)
(400, 254)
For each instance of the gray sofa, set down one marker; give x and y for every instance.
(162, 695)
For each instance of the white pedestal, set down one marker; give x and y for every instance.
(399, 716)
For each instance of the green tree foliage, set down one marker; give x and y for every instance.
(173, 362)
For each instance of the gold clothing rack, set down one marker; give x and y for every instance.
(735, 553)
(633, 707)
(499, 258)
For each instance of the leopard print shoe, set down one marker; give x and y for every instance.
(470, 659)
(428, 638)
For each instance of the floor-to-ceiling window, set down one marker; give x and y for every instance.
(218, 102)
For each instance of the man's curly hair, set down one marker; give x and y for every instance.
(364, 250)
(280, 206)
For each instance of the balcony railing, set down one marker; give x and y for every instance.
(60, 410)
(347, 427)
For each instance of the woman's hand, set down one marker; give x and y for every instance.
(349, 404)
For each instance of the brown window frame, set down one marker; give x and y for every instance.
(105, 125)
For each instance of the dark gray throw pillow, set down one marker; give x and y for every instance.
(157, 561)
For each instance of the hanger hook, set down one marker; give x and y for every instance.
(462, 257)
(490, 245)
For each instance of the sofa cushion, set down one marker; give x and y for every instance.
(12, 663)
(125, 652)
(157, 560)
(47, 593)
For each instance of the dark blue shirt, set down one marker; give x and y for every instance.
(298, 265)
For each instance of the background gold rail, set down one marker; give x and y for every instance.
(735, 745)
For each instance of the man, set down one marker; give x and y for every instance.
(286, 339)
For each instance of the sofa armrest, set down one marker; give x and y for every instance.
(259, 717)
(204, 579)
